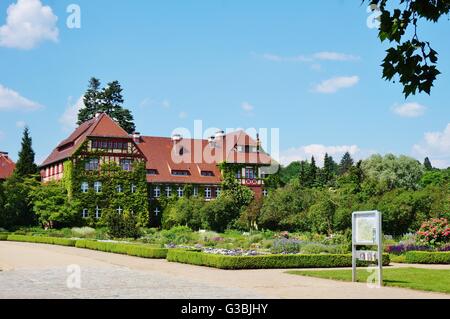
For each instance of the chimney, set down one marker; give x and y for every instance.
(176, 138)
(137, 137)
(97, 115)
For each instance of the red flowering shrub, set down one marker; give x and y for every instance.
(434, 232)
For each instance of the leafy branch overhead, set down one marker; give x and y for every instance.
(413, 60)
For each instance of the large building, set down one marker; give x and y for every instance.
(171, 163)
(7, 166)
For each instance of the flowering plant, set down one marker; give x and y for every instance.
(434, 232)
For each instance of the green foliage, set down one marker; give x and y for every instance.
(220, 213)
(53, 207)
(25, 165)
(434, 232)
(392, 172)
(412, 60)
(144, 251)
(108, 100)
(346, 163)
(248, 219)
(43, 240)
(3, 236)
(262, 261)
(184, 211)
(425, 257)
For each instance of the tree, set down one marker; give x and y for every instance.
(249, 217)
(427, 164)
(328, 173)
(312, 173)
(346, 163)
(412, 60)
(25, 165)
(238, 193)
(108, 100)
(220, 213)
(303, 173)
(183, 212)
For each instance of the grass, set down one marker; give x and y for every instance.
(437, 280)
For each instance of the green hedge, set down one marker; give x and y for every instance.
(3, 236)
(263, 261)
(426, 257)
(42, 240)
(126, 249)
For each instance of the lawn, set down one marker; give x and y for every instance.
(437, 280)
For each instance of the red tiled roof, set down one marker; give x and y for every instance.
(101, 126)
(164, 156)
(7, 166)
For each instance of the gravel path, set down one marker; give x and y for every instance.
(40, 271)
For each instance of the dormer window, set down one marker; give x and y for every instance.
(180, 173)
(152, 172)
(207, 173)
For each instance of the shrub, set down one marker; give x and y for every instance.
(145, 251)
(434, 232)
(263, 261)
(315, 248)
(42, 240)
(83, 232)
(420, 257)
(3, 236)
(285, 245)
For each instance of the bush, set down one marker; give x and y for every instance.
(434, 232)
(3, 236)
(315, 248)
(84, 232)
(42, 240)
(285, 245)
(421, 257)
(125, 249)
(195, 257)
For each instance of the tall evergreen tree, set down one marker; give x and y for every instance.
(25, 165)
(108, 100)
(329, 171)
(427, 164)
(345, 164)
(304, 173)
(312, 173)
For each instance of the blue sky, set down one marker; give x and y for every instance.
(309, 68)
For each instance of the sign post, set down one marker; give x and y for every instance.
(366, 231)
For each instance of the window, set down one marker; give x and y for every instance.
(195, 191)
(265, 192)
(94, 144)
(152, 172)
(156, 192)
(207, 173)
(239, 174)
(180, 191)
(133, 188)
(180, 173)
(119, 210)
(91, 164)
(119, 188)
(218, 190)
(98, 187)
(249, 173)
(157, 211)
(126, 164)
(84, 187)
(168, 191)
(207, 192)
(85, 213)
(98, 212)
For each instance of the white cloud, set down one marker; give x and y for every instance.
(69, 118)
(28, 23)
(436, 146)
(335, 56)
(409, 109)
(21, 124)
(247, 107)
(166, 104)
(318, 151)
(11, 100)
(182, 115)
(335, 84)
(319, 56)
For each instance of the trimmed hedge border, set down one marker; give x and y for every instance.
(43, 240)
(264, 261)
(427, 257)
(125, 249)
(3, 236)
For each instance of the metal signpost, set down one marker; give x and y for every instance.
(366, 231)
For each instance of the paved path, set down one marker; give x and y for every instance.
(40, 271)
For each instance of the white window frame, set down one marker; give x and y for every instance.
(119, 210)
(156, 192)
(168, 191)
(218, 191)
(119, 188)
(84, 187)
(265, 192)
(98, 187)
(180, 192)
(98, 212)
(195, 192)
(85, 213)
(157, 211)
(133, 188)
(208, 192)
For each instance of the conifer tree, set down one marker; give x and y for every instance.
(345, 164)
(427, 164)
(25, 165)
